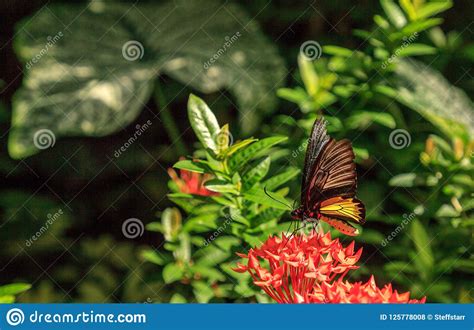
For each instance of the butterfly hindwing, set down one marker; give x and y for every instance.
(341, 226)
(345, 209)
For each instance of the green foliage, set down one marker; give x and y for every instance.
(200, 248)
(91, 80)
(9, 291)
(428, 231)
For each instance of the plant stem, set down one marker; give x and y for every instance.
(168, 121)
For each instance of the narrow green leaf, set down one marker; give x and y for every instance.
(403, 180)
(172, 273)
(416, 50)
(280, 179)
(203, 122)
(408, 7)
(433, 8)
(13, 289)
(256, 173)
(416, 27)
(191, 166)
(255, 149)
(258, 195)
(153, 256)
(338, 51)
(239, 145)
(221, 187)
(422, 242)
(308, 74)
(394, 13)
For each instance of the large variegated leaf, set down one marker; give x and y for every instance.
(430, 94)
(89, 70)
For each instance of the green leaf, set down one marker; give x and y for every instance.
(172, 273)
(258, 195)
(403, 180)
(362, 119)
(203, 122)
(13, 289)
(308, 74)
(280, 179)
(394, 13)
(256, 173)
(433, 8)
(422, 242)
(433, 97)
(221, 187)
(239, 145)
(414, 28)
(338, 51)
(409, 8)
(171, 221)
(87, 80)
(191, 166)
(7, 299)
(241, 157)
(416, 50)
(178, 299)
(153, 256)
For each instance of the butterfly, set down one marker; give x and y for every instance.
(329, 183)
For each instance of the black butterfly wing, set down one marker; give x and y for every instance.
(317, 140)
(329, 169)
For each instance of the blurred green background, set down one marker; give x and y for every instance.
(85, 90)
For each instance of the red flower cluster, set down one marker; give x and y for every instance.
(191, 182)
(310, 269)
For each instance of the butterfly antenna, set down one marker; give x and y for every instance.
(276, 200)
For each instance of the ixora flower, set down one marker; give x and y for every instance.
(310, 269)
(191, 182)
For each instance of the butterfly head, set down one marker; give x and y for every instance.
(297, 214)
